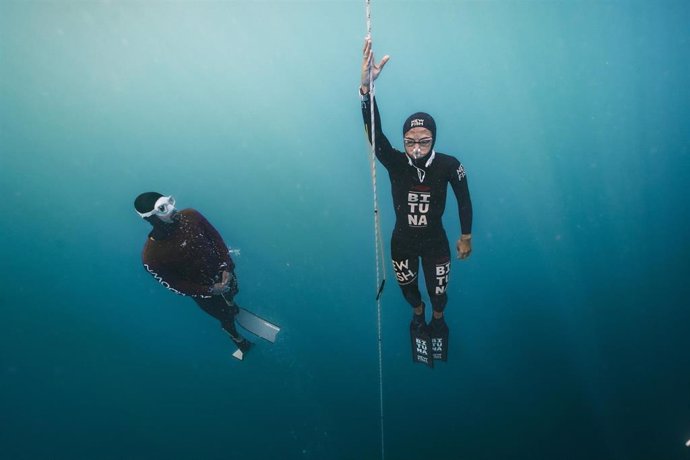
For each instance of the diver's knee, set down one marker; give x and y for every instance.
(413, 297)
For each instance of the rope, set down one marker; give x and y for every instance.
(380, 257)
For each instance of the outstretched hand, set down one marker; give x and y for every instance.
(369, 65)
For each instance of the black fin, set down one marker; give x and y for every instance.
(421, 343)
(438, 330)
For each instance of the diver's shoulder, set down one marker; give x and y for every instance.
(191, 213)
(444, 158)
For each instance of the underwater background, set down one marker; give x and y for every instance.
(569, 322)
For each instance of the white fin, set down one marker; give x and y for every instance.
(257, 325)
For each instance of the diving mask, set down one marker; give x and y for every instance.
(164, 207)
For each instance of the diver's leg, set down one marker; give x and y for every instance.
(406, 267)
(224, 311)
(436, 266)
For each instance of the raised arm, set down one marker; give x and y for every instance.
(370, 71)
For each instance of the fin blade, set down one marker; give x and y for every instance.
(439, 343)
(439, 348)
(257, 325)
(421, 348)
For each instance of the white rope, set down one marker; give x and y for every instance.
(380, 257)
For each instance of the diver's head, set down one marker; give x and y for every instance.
(153, 207)
(419, 135)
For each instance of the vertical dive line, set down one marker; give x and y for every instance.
(380, 269)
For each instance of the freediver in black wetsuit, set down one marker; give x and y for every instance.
(419, 182)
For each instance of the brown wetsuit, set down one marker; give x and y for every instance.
(187, 257)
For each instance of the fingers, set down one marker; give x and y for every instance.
(463, 253)
(383, 61)
(369, 67)
(367, 55)
(368, 52)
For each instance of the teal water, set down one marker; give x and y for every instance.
(568, 323)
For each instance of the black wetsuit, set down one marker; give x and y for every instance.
(187, 257)
(419, 197)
